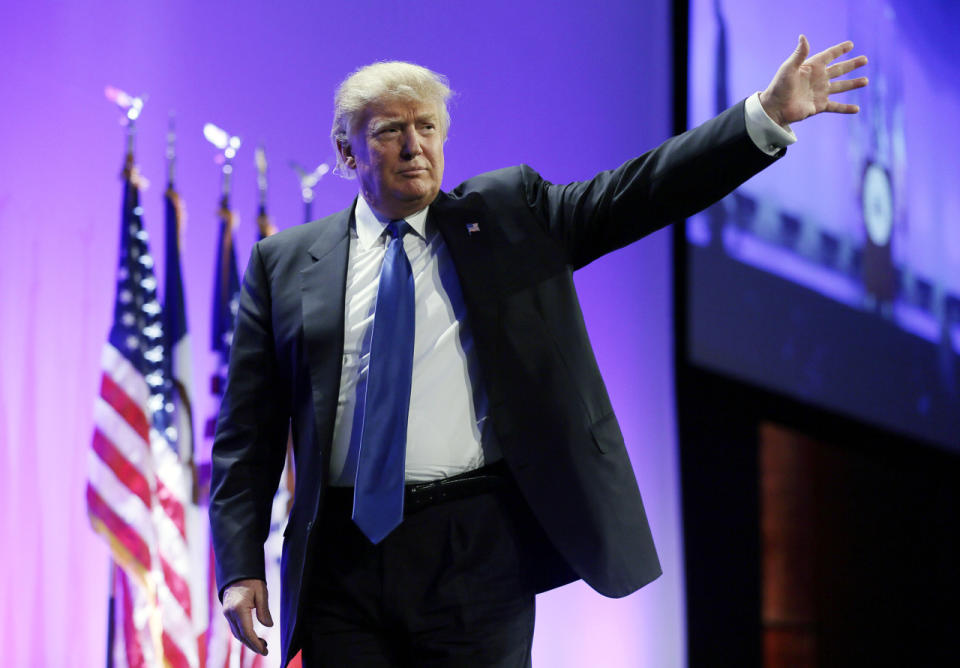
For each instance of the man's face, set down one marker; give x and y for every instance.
(397, 152)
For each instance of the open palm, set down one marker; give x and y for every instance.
(802, 86)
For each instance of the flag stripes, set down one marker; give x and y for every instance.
(136, 554)
(173, 507)
(121, 468)
(177, 585)
(123, 404)
(172, 654)
(129, 651)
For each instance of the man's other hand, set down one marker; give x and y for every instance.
(802, 86)
(239, 599)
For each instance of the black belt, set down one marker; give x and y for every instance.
(422, 494)
(474, 482)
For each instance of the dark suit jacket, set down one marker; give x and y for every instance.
(548, 403)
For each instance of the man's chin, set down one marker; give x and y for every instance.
(417, 196)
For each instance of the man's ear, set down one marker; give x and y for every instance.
(346, 154)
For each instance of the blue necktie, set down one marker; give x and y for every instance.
(378, 492)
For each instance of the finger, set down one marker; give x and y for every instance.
(834, 52)
(250, 638)
(244, 623)
(235, 629)
(838, 108)
(839, 69)
(800, 53)
(844, 85)
(261, 601)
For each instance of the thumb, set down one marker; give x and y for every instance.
(262, 604)
(801, 52)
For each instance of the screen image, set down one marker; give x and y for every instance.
(834, 276)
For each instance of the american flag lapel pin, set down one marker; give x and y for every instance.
(473, 227)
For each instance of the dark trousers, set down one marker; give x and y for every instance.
(449, 588)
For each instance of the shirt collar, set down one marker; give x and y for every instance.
(370, 226)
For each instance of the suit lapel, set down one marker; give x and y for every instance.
(322, 285)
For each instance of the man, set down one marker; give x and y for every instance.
(456, 451)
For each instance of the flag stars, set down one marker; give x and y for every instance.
(154, 331)
(155, 402)
(138, 331)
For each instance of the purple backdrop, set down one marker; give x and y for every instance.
(567, 87)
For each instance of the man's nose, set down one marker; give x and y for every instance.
(411, 143)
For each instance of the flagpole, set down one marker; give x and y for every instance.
(171, 150)
(265, 226)
(111, 612)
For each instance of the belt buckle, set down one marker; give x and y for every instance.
(423, 494)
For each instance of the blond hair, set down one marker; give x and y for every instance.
(376, 82)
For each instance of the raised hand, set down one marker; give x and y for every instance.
(802, 86)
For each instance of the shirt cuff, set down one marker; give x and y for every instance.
(769, 137)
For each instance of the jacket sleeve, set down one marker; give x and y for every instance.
(250, 443)
(680, 177)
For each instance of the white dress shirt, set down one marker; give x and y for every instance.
(448, 406)
(447, 429)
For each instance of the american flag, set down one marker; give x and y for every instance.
(137, 483)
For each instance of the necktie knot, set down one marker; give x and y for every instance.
(397, 228)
